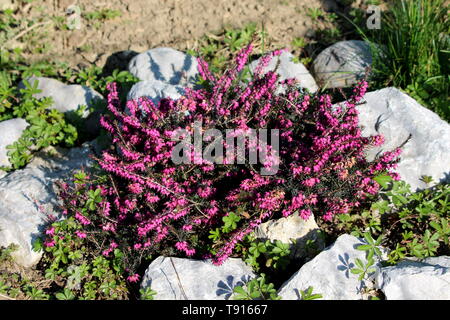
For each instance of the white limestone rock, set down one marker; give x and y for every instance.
(396, 115)
(293, 228)
(189, 279)
(155, 91)
(28, 198)
(66, 98)
(329, 273)
(415, 280)
(165, 64)
(10, 131)
(288, 69)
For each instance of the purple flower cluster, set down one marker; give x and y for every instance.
(150, 203)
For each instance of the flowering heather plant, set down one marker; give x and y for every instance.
(146, 203)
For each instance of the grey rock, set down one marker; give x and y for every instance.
(189, 279)
(287, 69)
(66, 98)
(414, 280)
(166, 65)
(443, 261)
(155, 90)
(293, 228)
(10, 131)
(329, 273)
(28, 199)
(342, 64)
(396, 115)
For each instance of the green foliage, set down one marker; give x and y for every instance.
(5, 253)
(102, 15)
(414, 51)
(309, 295)
(94, 198)
(256, 289)
(230, 222)
(36, 294)
(76, 265)
(79, 271)
(15, 285)
(147, 293)
(366, 268)
(372, 247)
(93, 77)
(46, 126)
(410, 224)
(298, 43)
(236, 39)
(275, 255)
(315, 13)
(65, 295)
(220, 49)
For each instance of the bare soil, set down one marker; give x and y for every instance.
(144, 24)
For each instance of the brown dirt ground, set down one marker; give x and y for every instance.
(145, 24)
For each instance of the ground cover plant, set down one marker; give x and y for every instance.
(399, 225)
(46, 127)
(410, 224)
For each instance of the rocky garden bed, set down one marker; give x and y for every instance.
(352, 204)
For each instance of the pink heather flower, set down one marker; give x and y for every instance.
(286, 213)
(112, 246)
(109, 227)
(50, 243)
(149, 197)
(377, 140)
(135, 188)
(82, 219)
(328, 216)
(106, 207)
(204, 70)
(305, 214)
(311, 182)
(80, 234)
(50, 231)
(183, 246)
(395, 176)
(133, 278)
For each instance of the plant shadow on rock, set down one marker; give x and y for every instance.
(226, 287)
